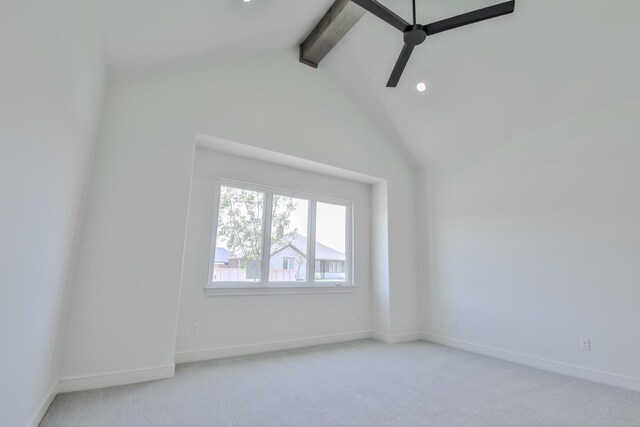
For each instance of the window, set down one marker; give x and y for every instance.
(238, 246)
(288, 264)
(289, 235)
(331, 241)
(308, 242)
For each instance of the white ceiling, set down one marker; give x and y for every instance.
(487, 83)
(143, 33)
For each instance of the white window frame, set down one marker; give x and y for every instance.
(264, 286)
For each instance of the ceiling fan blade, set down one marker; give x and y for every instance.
(383, 13)
(471, 17)
(400, 64)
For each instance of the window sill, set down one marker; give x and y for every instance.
(277, 290)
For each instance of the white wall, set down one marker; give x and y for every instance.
(50, 93)
(537, 244)
(125, 303)
(227, 321)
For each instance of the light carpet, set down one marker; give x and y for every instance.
(360, 383)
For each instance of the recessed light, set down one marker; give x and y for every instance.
(422, 86)
(246, 1)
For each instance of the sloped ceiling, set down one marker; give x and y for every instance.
(487, 82)
(140, 34)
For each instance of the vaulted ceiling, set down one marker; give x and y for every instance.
(487, 83)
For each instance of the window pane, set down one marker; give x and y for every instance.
(239, 236)
(331, 237)
(288, 261)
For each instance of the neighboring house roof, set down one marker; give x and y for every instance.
(222, 256)
(299, 243)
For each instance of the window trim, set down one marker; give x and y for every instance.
(265, 286)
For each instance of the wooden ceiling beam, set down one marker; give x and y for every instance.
(338, 20)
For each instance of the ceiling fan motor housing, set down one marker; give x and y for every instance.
(415, 35)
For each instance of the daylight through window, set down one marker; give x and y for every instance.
(308, 243)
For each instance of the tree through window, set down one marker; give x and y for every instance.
(295, 222)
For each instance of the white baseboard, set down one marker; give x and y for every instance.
(538, 362)
(264, 347)
(396, 338)
(42, 408)
(110, 379)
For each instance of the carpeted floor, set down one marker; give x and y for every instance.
(361, 383)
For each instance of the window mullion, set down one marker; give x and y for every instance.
(266, 237)
(311, 242)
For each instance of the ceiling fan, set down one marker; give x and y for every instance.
(415, 34)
